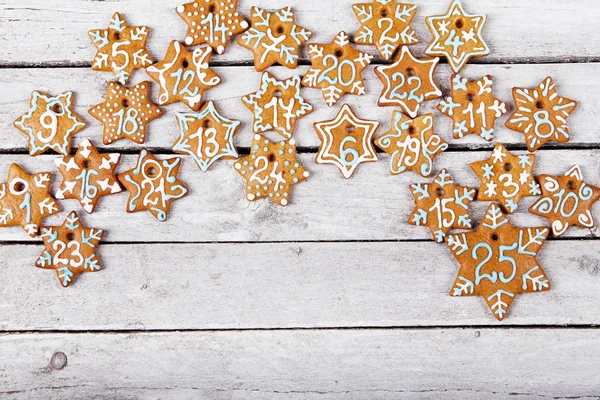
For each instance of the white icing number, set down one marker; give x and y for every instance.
(184, 76)
(52, 126)
(208, 148)
(116, 52)
(127, 122)
(288, 115)
(340, 71)
(265, 164)
(60, 246)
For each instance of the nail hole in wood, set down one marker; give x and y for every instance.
(58, 360)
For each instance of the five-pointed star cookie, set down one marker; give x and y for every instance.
(184, 75)
(408, 82)
(70, 249)
(88, 175)
(336, 69)
(153, 185)
(277, 105)
(412, 144)
(206, 136)
(126, 112)
(49, 123)
(457, 36)
(25, 200)
(274, 38)
(213, 22)
(441, 205)
(566, 200)
(271, 170)
(386, 24)
(541, 114)
(506, 178)
(497, 261)
(121, 48)
(346, 141)
(472, 107)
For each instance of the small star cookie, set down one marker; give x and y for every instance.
(49, 123)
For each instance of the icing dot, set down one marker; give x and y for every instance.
(251, 196)
(257, 137)
(306, 174)
(238, 165)
(292, 142)
(189, 40)
(284, 202)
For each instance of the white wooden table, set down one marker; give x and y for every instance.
(332, 297)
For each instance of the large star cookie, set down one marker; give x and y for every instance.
(346, 141)
(49, 123)
(412, 144)
(126, 112)
(206, 136)
(541, 114)
(408, 82)
(184, 75)
(457, 36)
(88, 175)
(70, 249)
(506, 178)
(386, 24)
(274, 38)
(336, 68)
(277, 105)
(25, 200)
(498, 261)
(472, 107)
(441, 205)
(566, 200)
(121, 48)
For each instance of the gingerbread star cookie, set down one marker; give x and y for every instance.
(213, 22)
(121, 48)
(541, 114)
(566, 200)
(184, 75)
(153, 185)
(277, 105)
(206, 136)
(126, 112)
(441, 205)
(498, 261)
(386, 24)
(274, 38)
(88, 175)
(336, 69)
(408, 82)
(70, 249)
(49, 123)
(457, 36)
(506, 178)
(346, 141)
(25, 200)
(472, 107)
(412, 144)
(271, 170)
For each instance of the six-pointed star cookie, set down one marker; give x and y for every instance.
(153, 185)
(497, 261)
(274, 38)
(506, 178)
(472, 107)
(121, 48)
(184, 75)
(88, 175)
(25, 200)
(441, 205)
(408, 82)
(213, 22)
(336, 69)
(412, 144)
(206, 136)
(457, 36)
(541, 114)
(126, 112)
(566, 200)
(271, 170)
(70, 249)
(386, 24)
(277, 105)
(49, 123)
(346, 141)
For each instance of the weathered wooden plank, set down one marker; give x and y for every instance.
(55, 33)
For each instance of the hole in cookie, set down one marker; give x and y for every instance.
(56, 109)
(384, 12)
(410, 72)
(339, 53)
(278, 93)
(206, 123)
(411, 130)
(539, 105)
(459, 23)
(280, 29)
(507, 167)
(495, 237)
(271, 157)
(571, 185)
(20, 187)
(470, 97)
(350, 129)
(86, 164)
(151, 172)
(185, 63)
(212, 8)
(70, 236)
(118, 36)
(439, 192)
(125, 103)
